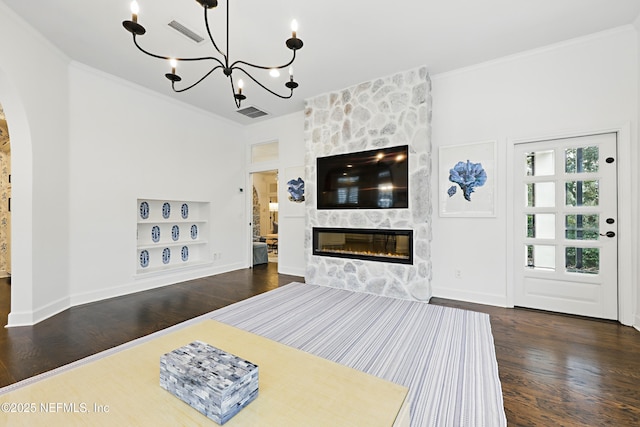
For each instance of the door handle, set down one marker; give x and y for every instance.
(609, 234)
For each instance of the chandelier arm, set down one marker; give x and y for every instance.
(173, 84)
(153, 55)
(263, 86)
(262, 67)
(213, 42)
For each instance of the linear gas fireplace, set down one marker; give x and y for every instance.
(365, 244)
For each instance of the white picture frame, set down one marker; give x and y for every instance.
(463, 191)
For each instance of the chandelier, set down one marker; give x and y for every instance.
(223, 63)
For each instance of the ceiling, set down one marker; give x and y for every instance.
(345, 42)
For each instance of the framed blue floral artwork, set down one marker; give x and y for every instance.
(467, 180)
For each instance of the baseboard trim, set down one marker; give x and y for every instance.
(30, 318)
(144, 284)
(473, 297)
(291, 271)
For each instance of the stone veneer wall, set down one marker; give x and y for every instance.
(386, 112)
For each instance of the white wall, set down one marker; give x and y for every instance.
(34, 94)
(580, 85)
(128, 143)
(85, 147)
(288, 131)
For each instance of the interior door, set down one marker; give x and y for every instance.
(566, 225)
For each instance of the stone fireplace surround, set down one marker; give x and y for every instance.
(385, 112)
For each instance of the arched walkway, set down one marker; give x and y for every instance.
(21, 204)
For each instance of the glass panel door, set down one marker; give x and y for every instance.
(565, 217)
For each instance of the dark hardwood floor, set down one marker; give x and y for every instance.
(88, 329)
(562, 370)
(555, 370)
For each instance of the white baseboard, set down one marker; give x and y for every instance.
(637, 323)
(473, 297)
(291, 271)
(154, 282)
(29, 318)
(19, 319)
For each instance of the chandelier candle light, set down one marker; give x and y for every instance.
(293, 43)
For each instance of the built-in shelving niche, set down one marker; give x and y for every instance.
(171, 234)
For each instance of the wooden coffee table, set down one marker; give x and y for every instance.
(295, 389)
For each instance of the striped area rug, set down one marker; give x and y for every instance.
(445, 356)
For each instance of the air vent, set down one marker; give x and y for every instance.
(186, 32)
(252, 112)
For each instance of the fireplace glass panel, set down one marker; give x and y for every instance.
(377, 245)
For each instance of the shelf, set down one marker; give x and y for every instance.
(171, 244)
(160, 223)
(172, 221)
(150, 271)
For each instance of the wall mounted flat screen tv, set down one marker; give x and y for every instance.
(375, 179)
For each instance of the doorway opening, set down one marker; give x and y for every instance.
(264, 221)
(5, 216)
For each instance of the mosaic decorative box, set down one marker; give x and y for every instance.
(215, 383)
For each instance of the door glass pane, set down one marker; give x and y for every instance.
(581, 159)
(582, 260)
(541, 256)
(582, 193)
(582, 227)
(540, 163)
(541, 226)
(541, 194)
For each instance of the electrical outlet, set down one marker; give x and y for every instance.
(458, 273)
